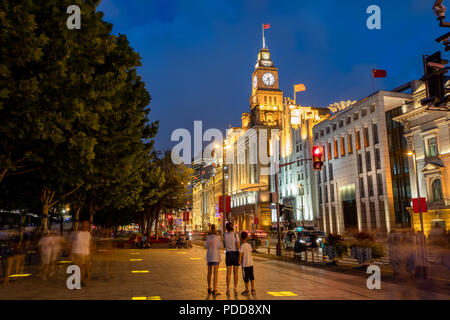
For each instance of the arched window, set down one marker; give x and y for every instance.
(436, 188)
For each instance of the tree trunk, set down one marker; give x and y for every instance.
(92, 210)
(61, 226)
(156, 226)
(47, 196)
(2, 174)
(76, 221)
(44, 226)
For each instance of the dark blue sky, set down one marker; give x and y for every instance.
(198, 56)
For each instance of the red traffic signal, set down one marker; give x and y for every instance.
(317, 157)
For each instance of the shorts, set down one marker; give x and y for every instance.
(213, 263)
(232, 258)
(248, 274)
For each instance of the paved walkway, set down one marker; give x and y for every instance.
(181, 274)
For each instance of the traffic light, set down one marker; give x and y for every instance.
(317, 157)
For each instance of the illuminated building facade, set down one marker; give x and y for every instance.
(296, 180)
(355, 187)
(428, 137)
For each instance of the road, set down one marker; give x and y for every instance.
(181, 274)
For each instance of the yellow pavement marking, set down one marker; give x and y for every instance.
(195, 258)
(65, 261)
(222, 269)
(20, 275)
(283, 294)
(172, 249)
(135, 253)
(181, 252)
(147, 298)
(135, 259)
(140, 271)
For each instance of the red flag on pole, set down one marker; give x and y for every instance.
(377, 73)
(266, 26)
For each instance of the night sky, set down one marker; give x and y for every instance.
(198, 56)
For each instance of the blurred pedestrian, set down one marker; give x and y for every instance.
(232, 245)
(104, 256)
(213, 244)
(56, 247)
(246, 261)
(16, 257)
(81, 251)
(45, 247)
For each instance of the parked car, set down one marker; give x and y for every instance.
(289, 239)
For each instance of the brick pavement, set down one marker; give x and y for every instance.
(181, 274)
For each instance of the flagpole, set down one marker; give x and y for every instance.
(264, 39)
(295, 100)
(373, 81)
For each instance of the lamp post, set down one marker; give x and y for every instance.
(224, 209)
(413, 154)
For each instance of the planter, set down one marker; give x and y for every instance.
(361, 254)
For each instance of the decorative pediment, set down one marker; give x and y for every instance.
(432, 167)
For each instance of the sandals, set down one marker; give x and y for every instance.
(215, 293)
(253, 292)
(245, 293)
(210, 291)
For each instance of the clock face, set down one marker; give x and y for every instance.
(268, 79)
(265, 56)
(255, 81)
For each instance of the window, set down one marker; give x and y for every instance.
(321, 133)
(328, 130)
(375, 133)
(360, 163)
(368, 162)
(361, 188)
(325, 189)
(355, 116)
(363, 112)
(436, 188)
(341, 123)
(336, 155)
(431, 147)
(332, 192)
(377, 159)
(329, 150)
(265, 99)
(270, 100)
(350, 144)
(370, 186)
(334, 126)
(379, 184)
(297, 149)
(318, 177)
(342, 146)
(275, 100)
(366, 137)
(324, 174)
(330, 171)
(372, 108)
(298, 177)
(301, 147)
(349, 119)
(358, 140)
(316, 136)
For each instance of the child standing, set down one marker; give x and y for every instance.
(246, 261)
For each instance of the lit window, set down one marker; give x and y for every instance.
(342, 146)
(336, 154)
(350, 144)
(431, 147)
(436, 187)
(358, 140)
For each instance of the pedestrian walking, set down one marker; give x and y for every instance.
(45, 247)
(246, 261)
(232, 246)
(213, 244)
(81, 251)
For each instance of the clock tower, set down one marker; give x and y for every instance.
(266, 101)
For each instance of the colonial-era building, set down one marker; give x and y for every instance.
(364, 183)
(428, 143)
(296, 180)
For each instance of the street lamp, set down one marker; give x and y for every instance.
(217, 146)
(413, 154)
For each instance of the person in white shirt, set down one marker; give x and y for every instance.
(213, 244)
(246, 260)
(232, 245)
(81, 250)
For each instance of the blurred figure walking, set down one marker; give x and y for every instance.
(81, 251)
(45, 247)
